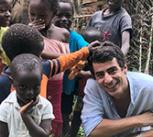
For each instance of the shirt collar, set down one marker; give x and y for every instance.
(12, 99)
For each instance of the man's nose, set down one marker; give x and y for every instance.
(108, 78)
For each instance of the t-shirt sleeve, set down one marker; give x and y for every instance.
(126, 23)
(4, 108)
(92, 113)
(81, 41)
(48, 111)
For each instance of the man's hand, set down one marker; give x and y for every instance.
(146, 119)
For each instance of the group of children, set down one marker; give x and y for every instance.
(24, 112)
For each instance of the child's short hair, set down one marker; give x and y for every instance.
(28, 62)
(20, 38)
(70, 2)
(53, 5)
(91, 34)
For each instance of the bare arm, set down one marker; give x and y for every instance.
(3, 129)
(121, 125)
(35, 130)
(125, 42)
(42, 130)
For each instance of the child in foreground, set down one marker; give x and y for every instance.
(24, 112)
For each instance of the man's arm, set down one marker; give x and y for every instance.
(125, 42)
(94, 115)
(118, 126)
(3, 129)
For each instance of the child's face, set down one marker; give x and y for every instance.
(114, 4)
(39, 11)
(5, 15)
(27, 85)
(64, 15)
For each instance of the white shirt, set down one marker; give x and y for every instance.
(9, 114)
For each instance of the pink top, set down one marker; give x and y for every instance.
(55, 46)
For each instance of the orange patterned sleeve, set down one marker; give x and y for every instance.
(65, 62)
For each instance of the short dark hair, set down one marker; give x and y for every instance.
(70, 2)
(91, 34)
(106, 52)
(28, 62)
(53, 4)
(20, 38)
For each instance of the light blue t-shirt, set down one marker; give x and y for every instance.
(98, 104)
(76, 42)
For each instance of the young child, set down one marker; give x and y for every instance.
(82, 73)
(52, 38)
(63, 19)
(20, 39)
(5, 16)
(24, 112)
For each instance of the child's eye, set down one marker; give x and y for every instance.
(22, 87)
(37, 87)
(3, 10)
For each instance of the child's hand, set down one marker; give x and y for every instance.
(38, 24)
(75, 70)
(28, 106)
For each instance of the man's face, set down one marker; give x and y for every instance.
(64, 15)
(5, 15)
(27, 85)
(111, 77)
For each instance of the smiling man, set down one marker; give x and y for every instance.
(117, 103)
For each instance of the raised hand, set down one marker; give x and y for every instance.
(38, 24)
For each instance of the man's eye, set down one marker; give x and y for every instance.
(112, 71)
(100, 74)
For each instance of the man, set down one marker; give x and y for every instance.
(116, 102)
(114, 23)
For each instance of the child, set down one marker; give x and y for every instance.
(51, 33)
(20, 39)
(63, 19)
(91, 34)
(5, 16)
(24, 112)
